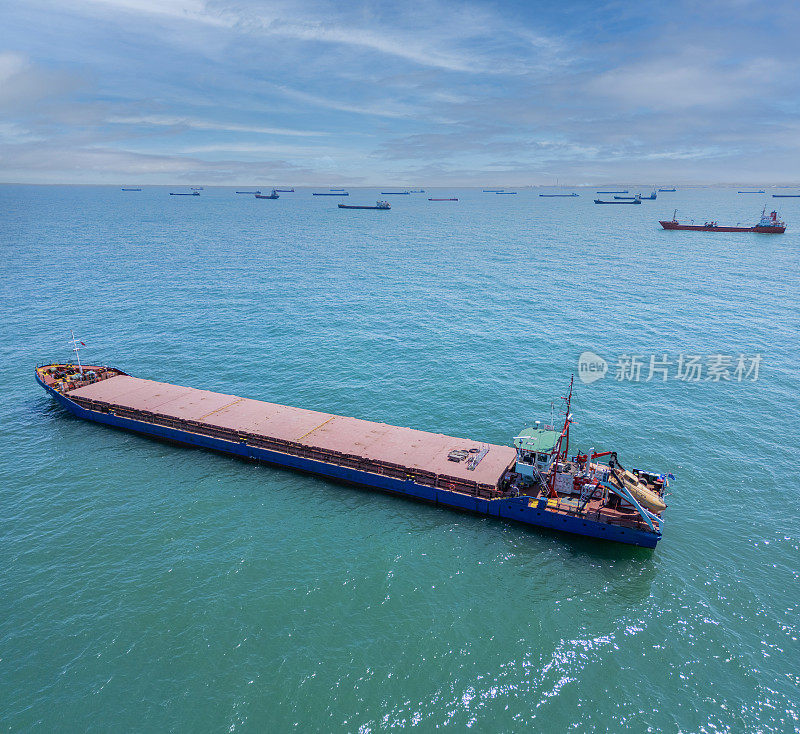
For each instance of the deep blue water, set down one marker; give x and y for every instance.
(152, 588)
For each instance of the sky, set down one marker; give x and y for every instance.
(436, 93)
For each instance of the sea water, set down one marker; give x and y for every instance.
(148, 587)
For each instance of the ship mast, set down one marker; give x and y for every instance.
(76, 349)
(563, 441)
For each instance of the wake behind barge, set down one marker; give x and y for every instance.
(534, 483)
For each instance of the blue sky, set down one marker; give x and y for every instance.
(433, 93)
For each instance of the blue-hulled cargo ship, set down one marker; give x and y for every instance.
(380, 205)
(620, 200)
(535, 482)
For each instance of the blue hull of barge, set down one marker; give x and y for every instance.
(511, 508)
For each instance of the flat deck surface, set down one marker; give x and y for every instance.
(378, 441)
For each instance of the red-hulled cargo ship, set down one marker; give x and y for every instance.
(768, 224)
(535, 482)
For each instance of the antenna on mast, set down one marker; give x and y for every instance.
(77, 349)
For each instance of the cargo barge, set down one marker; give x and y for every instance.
(533, 483)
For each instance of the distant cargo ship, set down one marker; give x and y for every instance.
(751, 192)
(442, 199)
(632, 200)
(536, 482)
(285, 191)
(786, 196)
(249, 192)
(131, 189)
(673, 189)
(184, 193)
(394, 193)
(331, 193)
(378, 205)
(768, 224)
(273, 195)
(554, 196)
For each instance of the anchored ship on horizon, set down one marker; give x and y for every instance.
(768, 224)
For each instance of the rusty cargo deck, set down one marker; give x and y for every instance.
(357, 444)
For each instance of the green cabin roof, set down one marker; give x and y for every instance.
(537, 439)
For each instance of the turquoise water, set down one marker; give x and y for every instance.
(154, 588)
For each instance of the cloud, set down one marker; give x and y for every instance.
(200, 124)
(451, 36)
(50, 163)
(387, 108)
(693, 81)
(183, 10)
(373, 90)
(296, 151)
(11, 132)
(23, 84)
